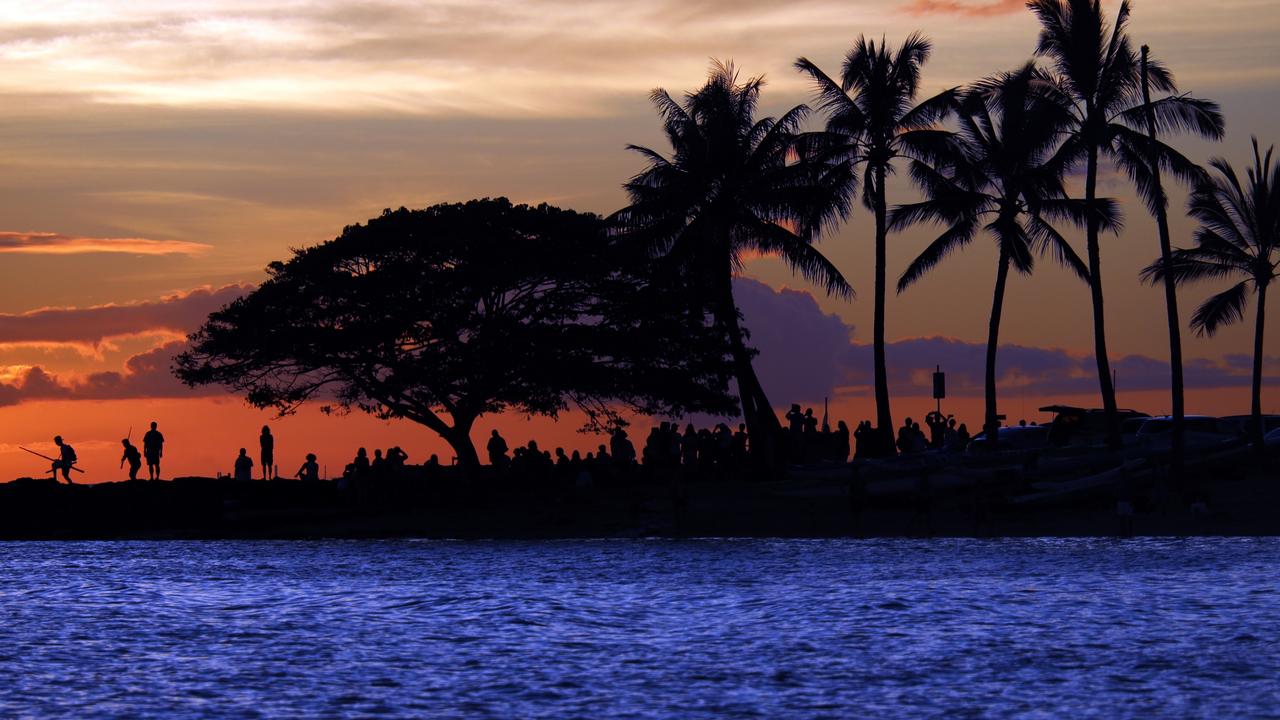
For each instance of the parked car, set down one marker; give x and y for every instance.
(1202, 433)
(1015, 438)
(1272, 440)
(1269, 422)
(1073, 426)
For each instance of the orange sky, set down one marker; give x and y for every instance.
(154, 156)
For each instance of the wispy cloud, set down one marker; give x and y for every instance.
(50, 243)
(968, 8)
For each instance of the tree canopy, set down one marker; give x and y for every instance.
(444, 314)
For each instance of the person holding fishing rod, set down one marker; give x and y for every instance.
(66, 460)
(132, 456)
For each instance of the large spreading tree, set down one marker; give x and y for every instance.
(445, 314)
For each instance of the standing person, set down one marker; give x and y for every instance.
(842, 442)
(133, 457)
(497, 448)
(153, 449)
(66, 460)
(267, 456)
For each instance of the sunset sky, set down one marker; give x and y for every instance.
(155, 156)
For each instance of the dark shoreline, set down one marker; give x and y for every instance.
(1243, 500)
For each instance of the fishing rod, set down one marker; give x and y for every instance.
(46, 457)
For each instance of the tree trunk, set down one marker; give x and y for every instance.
(459, 438)
(1255, 409)
(763, 428)
(1176, 387)
(1105, 384)
(884, 418)
(991, 423)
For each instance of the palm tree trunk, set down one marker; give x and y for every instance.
(991, 423)
(1176, 386)
(1105, 384)
(763, 428)
(884, 418)
(1255, 409)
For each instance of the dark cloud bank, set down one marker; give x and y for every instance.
(805, 354)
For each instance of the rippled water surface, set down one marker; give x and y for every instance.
(641, 628)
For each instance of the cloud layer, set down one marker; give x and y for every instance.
(806, 354)
(48, 243)
(447, 56)
(176, 314)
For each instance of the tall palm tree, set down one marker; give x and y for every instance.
(1144, 166)
(1238, 237)
(1006, 180)
(735, 184)
(1099, 81)
(870, 113)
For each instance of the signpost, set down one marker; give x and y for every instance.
(939, 387)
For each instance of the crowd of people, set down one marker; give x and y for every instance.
(705, 451)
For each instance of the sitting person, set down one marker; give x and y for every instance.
(310, 470)
(244, 466)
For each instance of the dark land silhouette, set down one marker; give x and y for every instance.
(686, 480)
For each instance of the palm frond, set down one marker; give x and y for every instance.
(1225, 308)
(952, 239)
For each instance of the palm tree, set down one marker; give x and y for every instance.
(870, 114)
(1007, 176)
(1099, 81)
(735, 184)
(1144, 166)
(1238, 237)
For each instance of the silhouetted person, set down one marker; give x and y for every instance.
(951, 437)
(378, 467)
(497, 448)
(689, 446)
(919, 443)
(361, 463)
(937, 429)
(132, 456)
(66, 460)
(962, 436)
(153, 450)
(267, 454)
(244, 466)
(310, 470)
(795, 419)
(842, 442)
(395, 462)
(810, 422)
(741, 444)
(624, 453)
(905, 437)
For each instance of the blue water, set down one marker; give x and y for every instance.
(693, 629)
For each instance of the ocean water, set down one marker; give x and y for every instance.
(643, 629)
